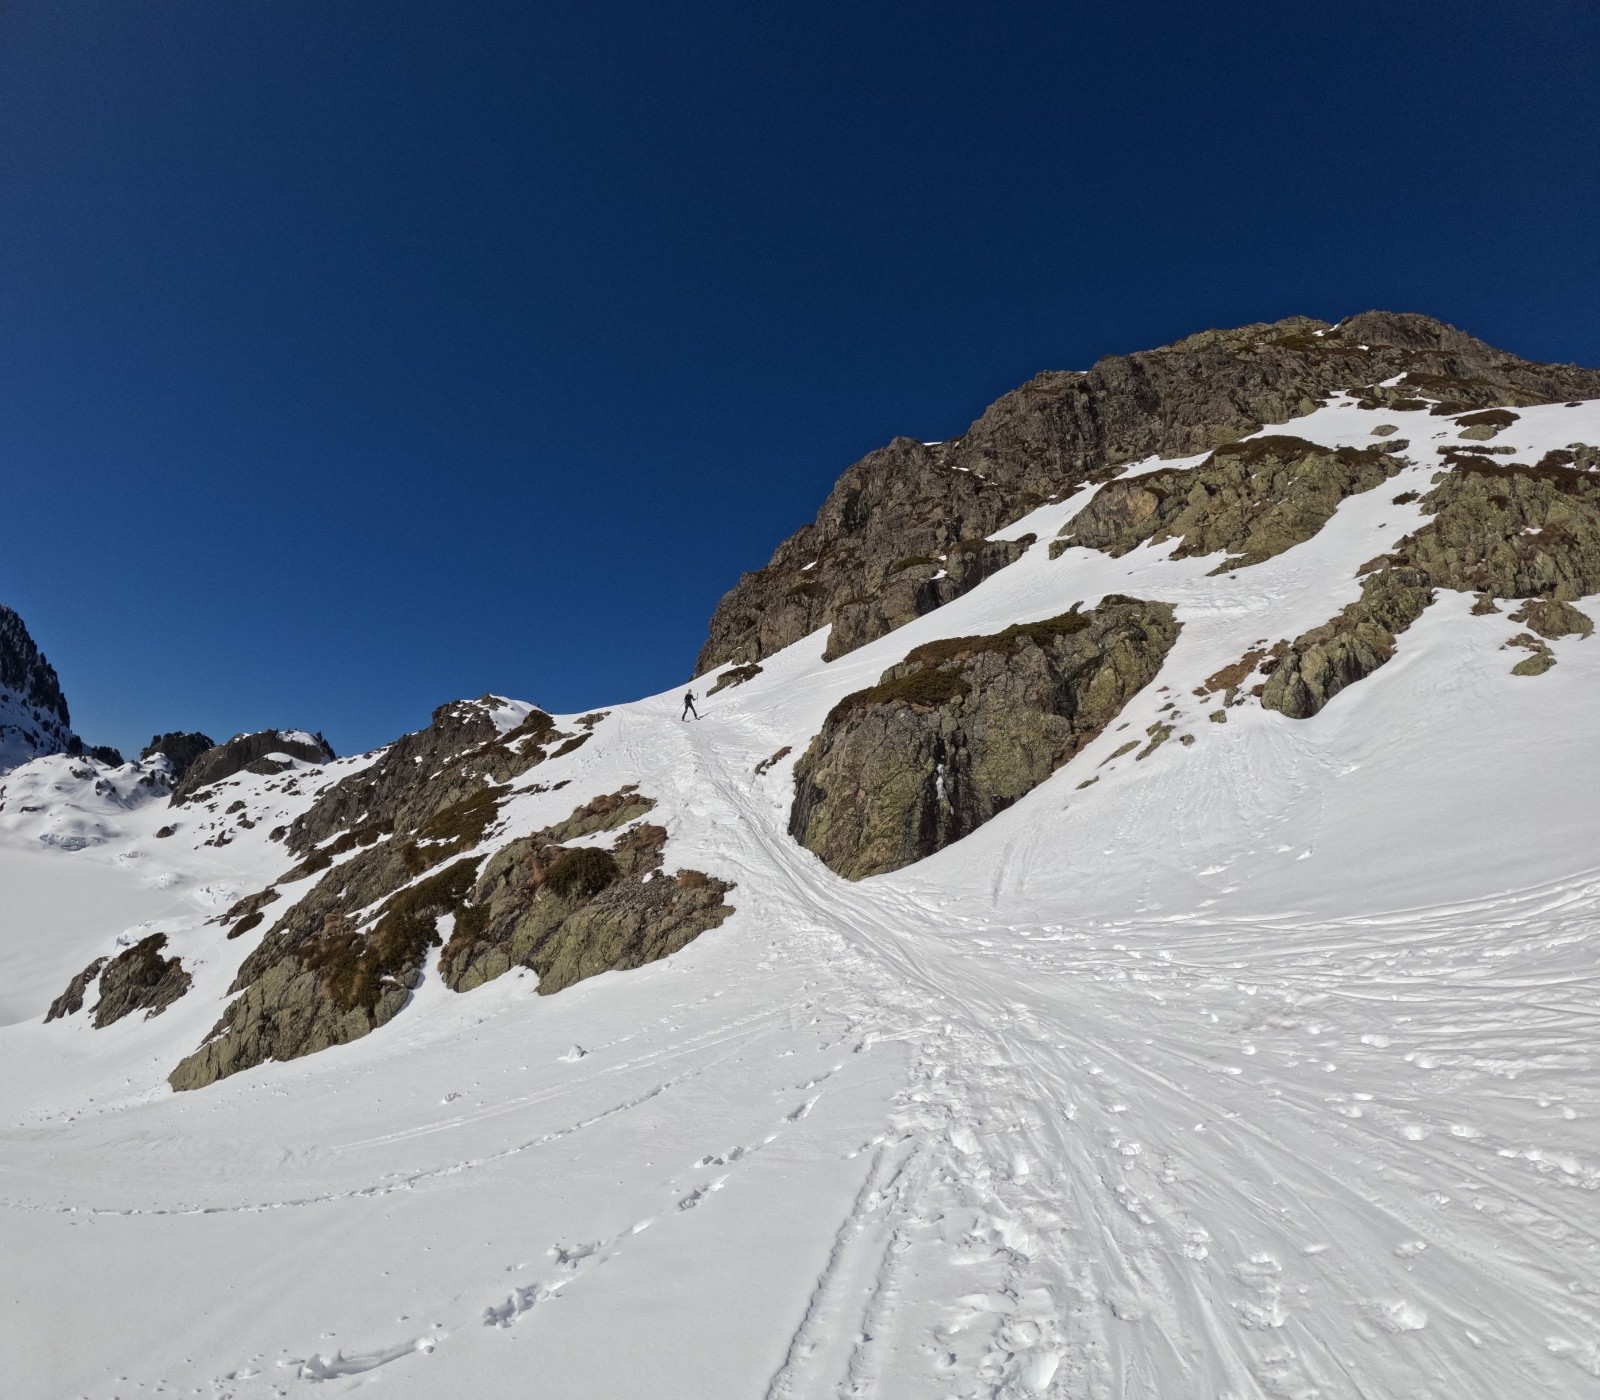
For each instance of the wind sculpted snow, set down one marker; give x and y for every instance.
(1256, 1062)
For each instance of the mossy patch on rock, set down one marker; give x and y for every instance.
(963, 728)
(584, 871)
(1253, 499)
(356, 967)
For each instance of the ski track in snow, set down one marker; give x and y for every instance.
(982, 1128)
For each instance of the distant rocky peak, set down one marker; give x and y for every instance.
(26, 673)
(34, 719)
(266, 751)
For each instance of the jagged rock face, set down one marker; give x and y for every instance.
(911, 501)
(181, 750)
(137, 979)
(70, 1002)
(961, 729)
(322, 979)
(461, 752)
(34, 719)
(1254, 499)
(26, 673)
(322, 975)
(247, 751)
(1322, 662)
(916, 585)
(570, 912)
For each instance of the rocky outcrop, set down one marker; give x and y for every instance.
(568, 912)
(344, 960)
(1322, 662)
(392, 846)
(180, 750)
(394, 849)
(140, 979)
(248, 751)
(1499, 529)
(137, 979)
(913, 501)
(328, 978)
(70, 1002)
(1254, 499)
(735, 675)
(1511, 531)
(1553, 620)
(963, 728)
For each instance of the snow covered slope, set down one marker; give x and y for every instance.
(1257, 1062)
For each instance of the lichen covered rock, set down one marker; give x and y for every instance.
(1552, 619)
(569, 912)
(963, 728)
(1511, 531)
(1322, 662)
(1254, 499)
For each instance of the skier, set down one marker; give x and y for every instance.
(688, 706)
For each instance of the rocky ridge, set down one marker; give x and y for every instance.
(914, 506)
(400, 846)
(261, 752)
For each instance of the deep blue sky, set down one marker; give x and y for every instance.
(358, 356)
